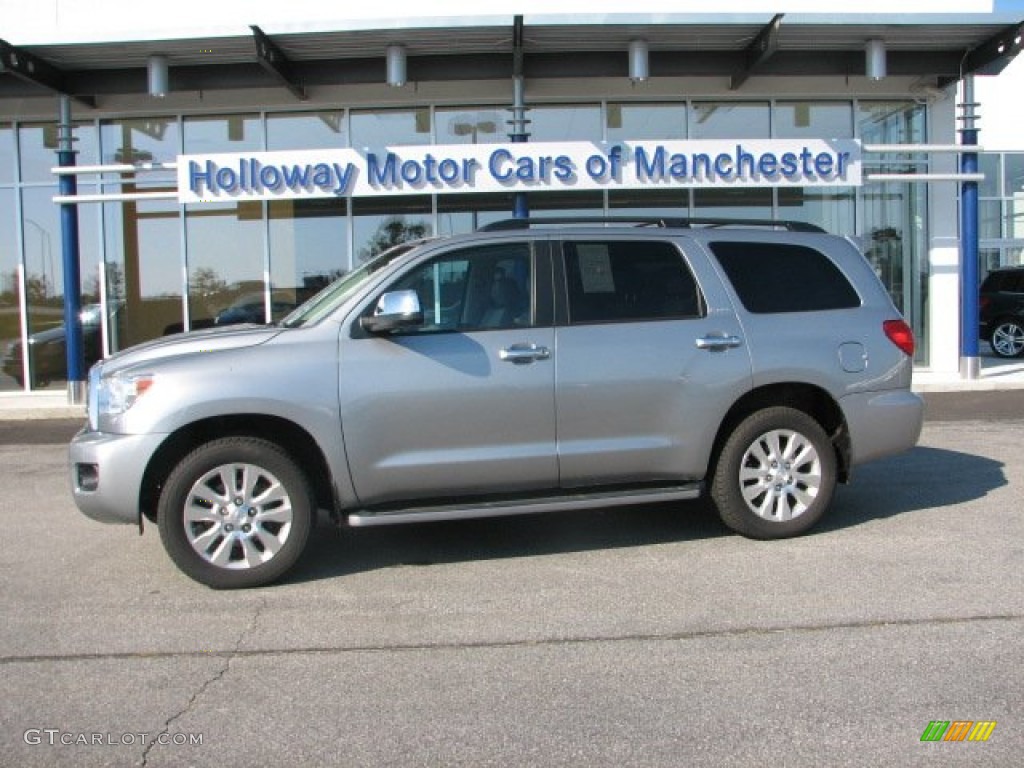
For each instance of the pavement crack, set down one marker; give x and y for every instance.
(218, 674)
(696, 634)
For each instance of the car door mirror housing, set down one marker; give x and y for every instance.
(395, 310)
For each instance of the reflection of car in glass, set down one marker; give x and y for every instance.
(1001, 311)
(249, 308)
(48, 357)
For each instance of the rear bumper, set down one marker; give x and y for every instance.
(882, 423)
(107, 471)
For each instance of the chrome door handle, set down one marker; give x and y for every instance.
(718, 342)
(524, 353)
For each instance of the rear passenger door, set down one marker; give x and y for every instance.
(649, 358)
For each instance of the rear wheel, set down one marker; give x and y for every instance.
(236, 512)
(776, 474)
(1007, 339)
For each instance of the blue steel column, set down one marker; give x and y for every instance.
(970, 361)
(519, 134)
(71, 261)
(520, 206)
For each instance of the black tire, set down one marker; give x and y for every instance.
(1007, 339)
(247, 537)
(762, 500)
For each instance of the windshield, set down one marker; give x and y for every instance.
(331, 297)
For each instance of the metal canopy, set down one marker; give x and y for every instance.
(944, 52)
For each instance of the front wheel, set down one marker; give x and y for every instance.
(236, 512)
(776, 474)
(1007, 339)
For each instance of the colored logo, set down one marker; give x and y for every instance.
(958, 730)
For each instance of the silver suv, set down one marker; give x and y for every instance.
(518, 369)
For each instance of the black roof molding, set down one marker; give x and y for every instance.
(992, 56)
(759, 51)
(31, 69)
(273, 60)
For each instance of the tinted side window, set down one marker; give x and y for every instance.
(1000, 281)
(617, 281)
(777, 277)
(482, 288)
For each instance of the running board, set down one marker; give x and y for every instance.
(365, 519)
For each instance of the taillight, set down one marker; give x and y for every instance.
(900, 334)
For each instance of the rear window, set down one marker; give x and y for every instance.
(628, 281)
(779, 277)
(1010, 280)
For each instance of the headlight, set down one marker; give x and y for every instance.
(114, 394)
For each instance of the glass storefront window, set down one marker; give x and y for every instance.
(143, 270)
(990, 216)
(379, 223)
(814, 119)
(306, 130)
(224, 250)
(625, 122)
(988, 259)
(141, 140)
(44, 285)
(222, 133)
(392, 127)
(893, 240)
(6, 154)
(11, 375)
(832, 208)
(1014, 191)
(486, 125)
(586, 204)
(564, 123)
(308, 250)
(37, 143)
(893, 233)
(671, 203)
(891, 122)
(1014, 174)
(989, 165)
(730, 120)
(457, 214)
(732, 203)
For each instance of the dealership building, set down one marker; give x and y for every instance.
(232, 160)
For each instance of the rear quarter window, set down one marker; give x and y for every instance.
(780, 277)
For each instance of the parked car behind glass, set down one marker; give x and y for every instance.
(48, 357)
(1001, 311)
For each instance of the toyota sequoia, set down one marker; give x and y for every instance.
(531, 366)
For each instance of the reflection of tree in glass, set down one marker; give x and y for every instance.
(36, 288)
(205, 282)
(392, 231)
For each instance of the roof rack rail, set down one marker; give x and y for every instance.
(651, 221)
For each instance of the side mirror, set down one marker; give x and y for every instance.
(395, 310)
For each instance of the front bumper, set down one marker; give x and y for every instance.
(882, 423)
(107, 472)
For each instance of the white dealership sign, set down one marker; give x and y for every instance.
(517, 167)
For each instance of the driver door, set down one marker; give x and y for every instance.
(463, 403)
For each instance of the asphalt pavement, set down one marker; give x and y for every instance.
(648, 636)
